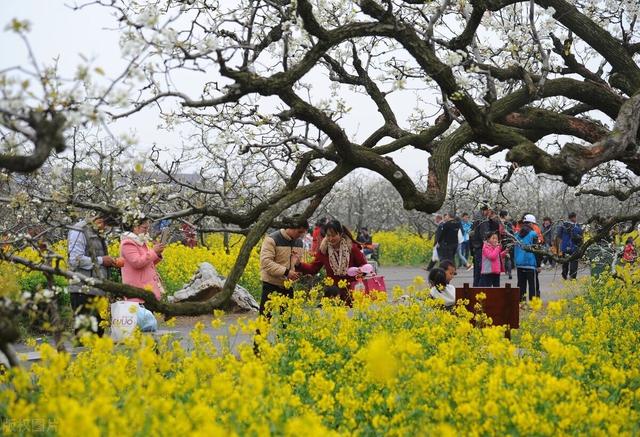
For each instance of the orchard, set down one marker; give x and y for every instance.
(175, 154)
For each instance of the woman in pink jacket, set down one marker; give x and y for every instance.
(140, 260)
(491, 267)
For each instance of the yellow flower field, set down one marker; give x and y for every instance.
(401, 247)
(181, 262)
(377, 369)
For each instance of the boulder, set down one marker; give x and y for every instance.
(206, 283)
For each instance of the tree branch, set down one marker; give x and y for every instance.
(618, 194)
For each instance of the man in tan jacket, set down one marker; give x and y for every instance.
(275, 258)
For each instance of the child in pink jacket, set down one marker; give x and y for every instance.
(491, 267)
(140, 261)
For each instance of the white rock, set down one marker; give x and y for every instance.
(206, 283)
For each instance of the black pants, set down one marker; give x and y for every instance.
(447, 251)
(571, 268)
(528, 278)
(490, 280)
(81, 305)
(477, 266)
(267, 289)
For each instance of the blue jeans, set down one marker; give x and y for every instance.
(463, 252)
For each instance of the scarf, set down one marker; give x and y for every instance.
(339, 258)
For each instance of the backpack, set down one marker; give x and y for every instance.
(576, 239)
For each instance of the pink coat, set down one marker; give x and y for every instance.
(140, 267)
(491, 256)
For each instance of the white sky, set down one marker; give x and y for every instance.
(58, 31)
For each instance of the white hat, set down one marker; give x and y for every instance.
(529, 218)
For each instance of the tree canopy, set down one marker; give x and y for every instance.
(267, 87)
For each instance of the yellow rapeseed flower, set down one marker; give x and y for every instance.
(536, 304)
(373, 368)
(379, 359)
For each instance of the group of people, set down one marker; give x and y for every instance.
(281, 258)
(497, 244)
(88, 255)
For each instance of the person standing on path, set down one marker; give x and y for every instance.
(491, 261)
(506, 241)
(463, 247)
(338, 251)
(447, 237)
(484, 223)
(140, 260)
(548, 235)
(278, 255)
(526, 262)
(571, 237)
(88, 255)
(530, 221)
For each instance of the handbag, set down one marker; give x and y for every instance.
(124, 319)
(374, 283)
(365, 275)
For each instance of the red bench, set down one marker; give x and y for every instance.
(502, 304)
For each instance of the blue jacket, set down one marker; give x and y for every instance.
(522, 258)
(568, 233)
(466, 227)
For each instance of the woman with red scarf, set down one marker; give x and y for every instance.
(337, 252)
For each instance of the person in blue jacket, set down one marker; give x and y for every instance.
(571, 237)
(525, 261)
